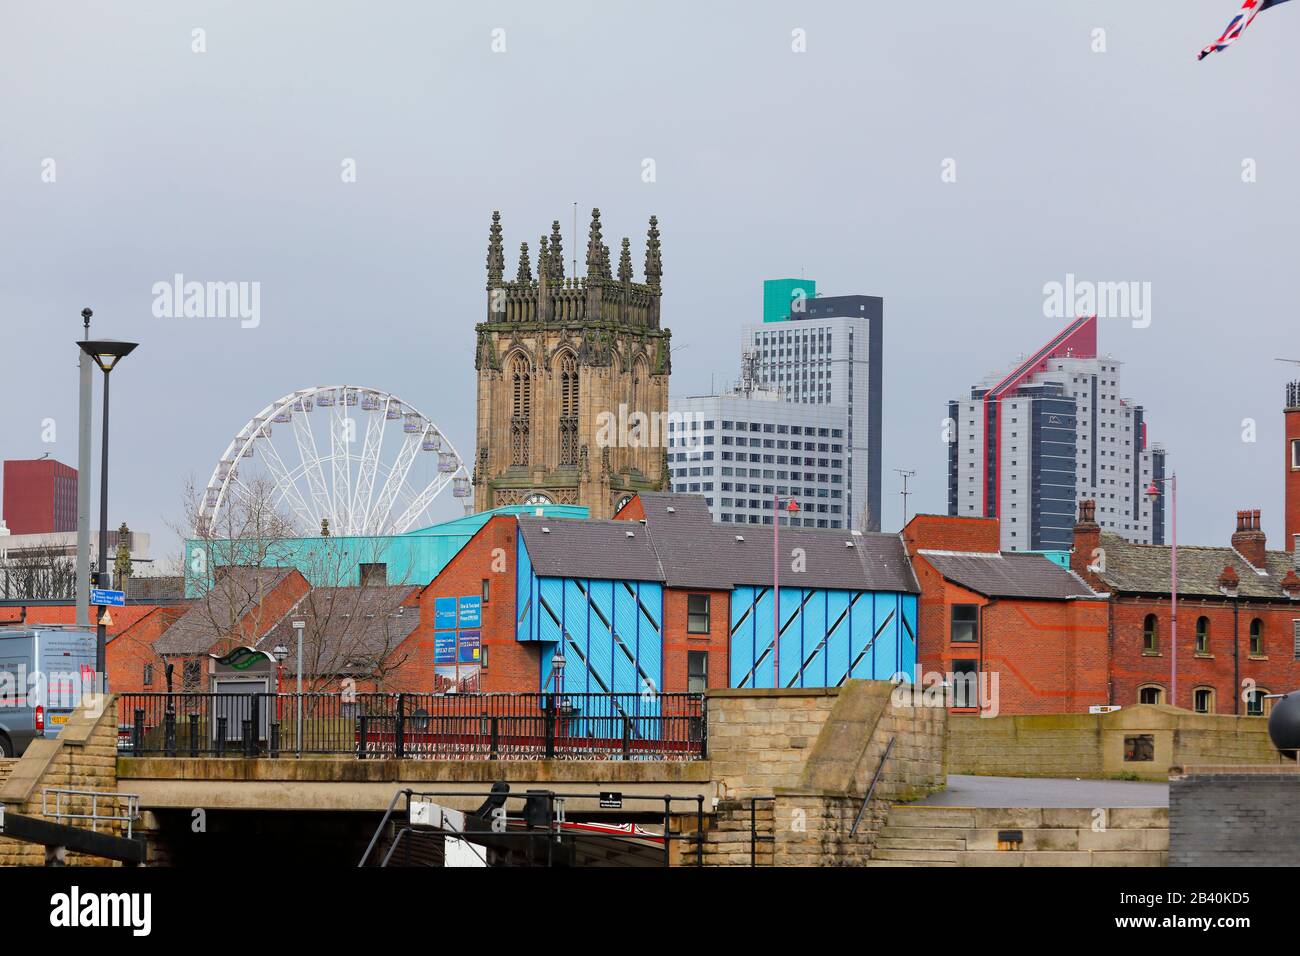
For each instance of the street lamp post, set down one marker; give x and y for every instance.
(1153, 493)
(792, 506)
(106, 353)
(297, 731)
(279, 653)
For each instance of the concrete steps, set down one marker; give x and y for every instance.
(923, 835)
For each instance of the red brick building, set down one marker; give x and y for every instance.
(1032, 630)
(1238, 619)
(40, 496)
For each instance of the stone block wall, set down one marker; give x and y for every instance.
(82, 757)
(760, 740)
(814, 753)
(1095, 745)
(1234, 816)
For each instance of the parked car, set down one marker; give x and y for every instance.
(43, 673)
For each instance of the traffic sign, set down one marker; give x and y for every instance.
(102, 597)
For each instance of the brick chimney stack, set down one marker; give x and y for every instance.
(1291, 463)
(1087, 545)
(1248, 539)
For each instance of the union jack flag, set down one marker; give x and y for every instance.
(1249, 10)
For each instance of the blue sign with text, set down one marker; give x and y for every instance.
(471, 611)
(103, 598)
(470, 642)
(444, 614)
(444, 647)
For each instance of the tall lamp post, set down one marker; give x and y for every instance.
(106, 353)
(792, 506)
(1153, 492)
(297, 731)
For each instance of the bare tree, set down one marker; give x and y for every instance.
(42, 570)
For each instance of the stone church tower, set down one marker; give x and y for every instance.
(572, 378)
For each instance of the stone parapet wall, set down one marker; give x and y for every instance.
(82, 757)
(1095, 745)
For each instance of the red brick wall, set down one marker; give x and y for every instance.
(1049, 656)
(123, 617)
(129, 651)
(512, 666)
(678, 643)
(949, 533)
(1276, 670)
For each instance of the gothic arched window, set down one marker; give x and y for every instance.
(568, 409)
(521, 409)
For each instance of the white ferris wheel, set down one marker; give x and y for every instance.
(362, 459)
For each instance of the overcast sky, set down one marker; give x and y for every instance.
(226, 165)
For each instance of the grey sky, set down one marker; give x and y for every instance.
(226, 166)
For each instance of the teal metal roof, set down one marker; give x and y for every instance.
(413, 557)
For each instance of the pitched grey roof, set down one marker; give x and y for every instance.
(349, 630)
(237, 592)
(832, 558)
(575, 547)
(1144, 568)
(680, 545)
(1008, 574)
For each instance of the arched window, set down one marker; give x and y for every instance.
(1256, 638)
(1150, 640)
(1202, 635)
(521, 409)
(1151, 694)
(1203, 700)
(1255, 702)
(568, 366)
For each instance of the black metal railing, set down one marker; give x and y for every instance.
(420, 726)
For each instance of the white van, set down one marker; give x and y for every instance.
(43, 673)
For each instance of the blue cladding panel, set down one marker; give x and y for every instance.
(550, 609)
(827, 633)
(834, 660)
(525, 602)
(574, 616)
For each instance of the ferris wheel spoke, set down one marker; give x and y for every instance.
(364, 492)
(306, 441)
(421, 502)
(394, 482)
(341, 464)
(287, 485)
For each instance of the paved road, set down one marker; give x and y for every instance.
(964, 791)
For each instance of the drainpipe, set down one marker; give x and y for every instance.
(1236, 660)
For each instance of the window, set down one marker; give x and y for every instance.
(148, 675)
(487, 590)
(697, 614)
(1150, 640)
(190, 674)
(1295, 638)
(1256, 638)
(374, 575)
(521, 409)
(1295, 453)
(1140, 747)
(568, 409)
(1202, 635)
(965, 623)
(483, 657)
(1256, 703)
(965, 684)
(697, 671)
(1203, 700)
(1151, 694)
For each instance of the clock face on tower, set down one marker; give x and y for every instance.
(537, 498)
